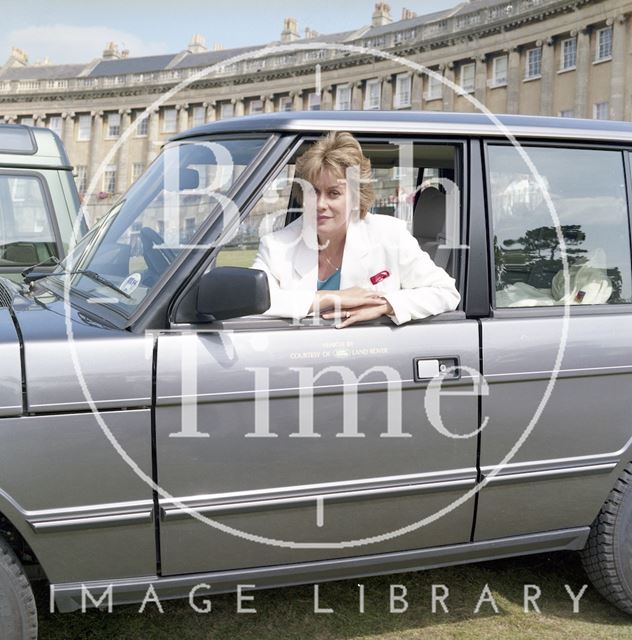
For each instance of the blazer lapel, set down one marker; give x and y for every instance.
(355, 259)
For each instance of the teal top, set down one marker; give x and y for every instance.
(330, 284)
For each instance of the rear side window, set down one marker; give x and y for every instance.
(587, 188)
(26, 232)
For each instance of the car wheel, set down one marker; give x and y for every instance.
(18, 614)
(607, 556)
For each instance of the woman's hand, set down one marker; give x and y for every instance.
(361, 313)
(352, 298)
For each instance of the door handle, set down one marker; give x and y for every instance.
(425, 369)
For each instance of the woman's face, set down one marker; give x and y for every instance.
(331, 204)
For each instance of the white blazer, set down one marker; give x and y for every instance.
(377, 247)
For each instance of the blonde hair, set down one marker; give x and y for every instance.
(336, 152)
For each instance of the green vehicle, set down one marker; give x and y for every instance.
(38, 199)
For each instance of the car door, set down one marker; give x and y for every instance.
(558, 405)
(280, 442)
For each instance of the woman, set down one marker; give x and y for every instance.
(340, 261)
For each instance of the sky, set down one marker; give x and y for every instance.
(76, 31)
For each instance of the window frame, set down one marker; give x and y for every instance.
(81, 138)
(372, 82)
(163, 120)
(262, 322)
(49, 210)
(503, 81)
(598, 44)
(339, 87)
(563, 65)
(527, 72)
(467, 65)
(556, 310)
(408, 79)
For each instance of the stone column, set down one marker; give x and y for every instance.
(183, 116)
(448, 92)
(326, 99)
(68, 119)
(297, 99)
(123, 178)
(96, 137)
(514, 80)
(582, 73)
(39, 120)
(387, 93)
(211, 111)
(357, 103)
(268, 103)
(547, 83)
(416, 91)
(238, 107)
(617, 78)
(153, 137)
(480, 78)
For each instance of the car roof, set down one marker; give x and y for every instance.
(419, 122)
(26, 146)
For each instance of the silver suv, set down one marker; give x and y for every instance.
(159, 431)
(39, 202)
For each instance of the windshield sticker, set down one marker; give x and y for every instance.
(130, 284)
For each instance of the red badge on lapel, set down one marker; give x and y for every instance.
(378, 277)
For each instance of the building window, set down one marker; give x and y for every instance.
(255, 106)
(402, 90)
(567, 113)
(604, 44)
(313, 102)
(137, 170)
(85, 127)
(285, 103)
(114, 125)
(142, 126)
(343, 98)
(499, 71)
(226, 110)
(435, 87)
(55, 123)
(468, 74)
(373, 94)
(27, 120)
(82, 178)
(198, 117)
(109, 179)
(169, 120)
(568, 54)
(534, 63)
(601, 111)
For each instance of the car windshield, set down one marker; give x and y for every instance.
(158, 218)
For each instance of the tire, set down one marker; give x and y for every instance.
(607, 556)
(18, 613)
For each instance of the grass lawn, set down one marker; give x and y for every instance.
(289, 613)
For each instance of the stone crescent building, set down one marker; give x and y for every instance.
(547, 57)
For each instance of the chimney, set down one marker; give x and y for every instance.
(381, 15)
(407, 14)
(111, 52)
(290, 30)
(310, 33)
(125, 53)
(18, 58)
(197, 44)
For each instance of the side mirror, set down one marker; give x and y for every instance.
(231, 292)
